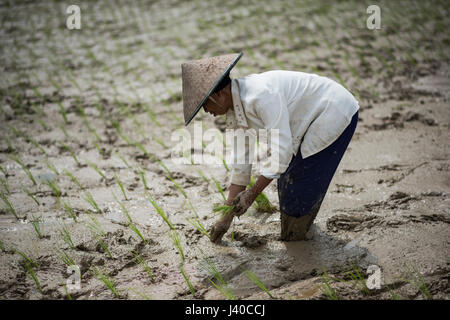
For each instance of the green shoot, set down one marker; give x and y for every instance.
(63, 129)
(74, 180)
(219, 188)
(67, 292)
(31, 196)
(95, 226)
(28, 264)
(2, 246)
(27, 258)
(177, 243)
(106, 279)
(198, 225)
(160, 211)
(144, 264)
(55, 189)
(144, 181)
(24, 168)
(131, 223)
(121, 186)
(93, 166)
(90, 199)
(213, 271)
(326, 288)
(4, 183)
(392, 293)
(103, 245)
(188, 281)
(36, 225)
(262, 203)
(203, 176)
(250, 275)
(9, 205)
(72, 153)
(123, 160)
(51, 166)
(224, 210)
(66, 258)
(62, 110)
(416, 280)
(357, 277)
(65, 235)
(142, 295)
(69, 210)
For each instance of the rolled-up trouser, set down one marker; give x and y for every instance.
(302, 187)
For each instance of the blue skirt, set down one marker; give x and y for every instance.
(302, 187)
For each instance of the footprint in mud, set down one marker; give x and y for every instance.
(248, 241)
(396, 120)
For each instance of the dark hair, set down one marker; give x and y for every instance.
(223, 83)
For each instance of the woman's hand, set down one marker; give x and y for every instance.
(243, 201)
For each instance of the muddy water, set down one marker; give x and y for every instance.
(387, 206)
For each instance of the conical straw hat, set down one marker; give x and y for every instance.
(200, 78)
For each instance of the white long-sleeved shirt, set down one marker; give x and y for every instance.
(308, 110)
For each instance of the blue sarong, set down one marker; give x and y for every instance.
(302, 187)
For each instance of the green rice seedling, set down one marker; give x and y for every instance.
(219, 188)
(223, 210)
(106, 279)
(250, 275)
(55, 189)
(37, 227)
(26, 258)
(116, 126)
(102, 244)
(51, 166)
(160, 211)
(4, 184)
(326, 287)
(95, 226)
(142, 295)
(24, 168)
(90, 199)
(358, 278)
(28, 264)
(262, 203)
(2, 246)
(3, 171)
(144, 264)
(69, 210)
(144, 181)
(202, 175)
(188, 281)
(417, 281)
(198, 225)
(177, 243)
(34, 143)
(152, 116)
(123, 160)
(63, 129)
(9, 205)
(394, 296)
(66, 147)
(65, 235)
(66, 258)
(31, 195)
(213, 271)
(74, 180)
(93, 166)
(131, 223)
(100, 151)
(67, 292)
(121, 186)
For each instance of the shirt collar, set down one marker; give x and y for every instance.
(236, 116)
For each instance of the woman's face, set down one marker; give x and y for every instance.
(216, 105)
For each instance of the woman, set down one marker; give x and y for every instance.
(315, 119)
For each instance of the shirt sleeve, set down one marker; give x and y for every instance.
(271, 108)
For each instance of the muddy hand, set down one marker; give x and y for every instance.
(221, 227)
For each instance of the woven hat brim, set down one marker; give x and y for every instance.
(223, 75)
